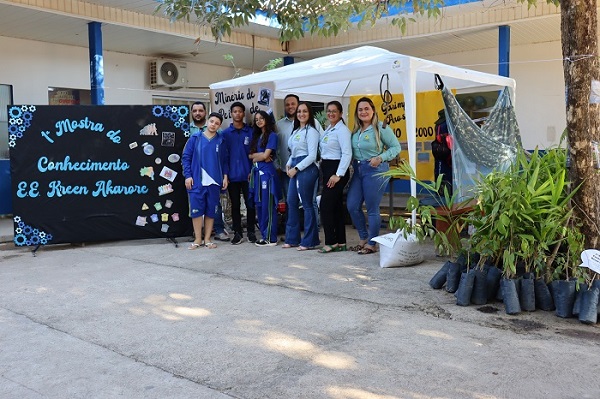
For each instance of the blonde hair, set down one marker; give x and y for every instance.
(374, 120)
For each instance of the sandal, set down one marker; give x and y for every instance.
(326, 249)
(341, 248)
(367, 251)
(193, 246)
(210, 245)
(286, 245)
(301, 248)
(361, 244)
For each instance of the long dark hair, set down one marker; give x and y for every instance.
(338, 105)
(258, 133)
(311, 116)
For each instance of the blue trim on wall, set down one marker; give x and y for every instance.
(504, 50)
(409, 9)
(96, 63)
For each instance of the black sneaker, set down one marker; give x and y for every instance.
(237, 239)
(264, 243)
(251, 237)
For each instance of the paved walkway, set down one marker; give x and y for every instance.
(144, 319)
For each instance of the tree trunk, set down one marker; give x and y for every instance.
(581, 66)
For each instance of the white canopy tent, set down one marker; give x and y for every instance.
(359, 72)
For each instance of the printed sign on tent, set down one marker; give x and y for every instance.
(254, 97)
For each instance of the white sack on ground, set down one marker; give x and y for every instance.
(395, 250)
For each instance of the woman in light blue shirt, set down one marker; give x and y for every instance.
(303, 173)
(373, 146)
(336, 154)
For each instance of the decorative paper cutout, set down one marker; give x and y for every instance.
(168, 203)
(175, 217)
(164, 228)
(168, 173)
(158, 206)
(165, 189)
(148, 149)
(154, 217)
(168, 139)
(149, 130)
(133, 145)
(147, 171)
(164, 217)
(145, 207)
(174, 158)
(141, 221)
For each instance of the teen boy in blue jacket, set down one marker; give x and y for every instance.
(238, 137)
(205, 169)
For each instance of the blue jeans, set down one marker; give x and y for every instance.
(302, 184)
(285, 183)
(366, 187)
(219, 225)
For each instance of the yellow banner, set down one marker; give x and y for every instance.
(428, 105)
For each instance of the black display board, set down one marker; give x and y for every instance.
(97, 173)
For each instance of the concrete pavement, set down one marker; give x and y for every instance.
(144, 319)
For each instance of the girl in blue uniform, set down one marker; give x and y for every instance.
(264, 182)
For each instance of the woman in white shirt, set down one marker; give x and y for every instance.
(303, 173)
(336, 154)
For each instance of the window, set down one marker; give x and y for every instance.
(66, 96)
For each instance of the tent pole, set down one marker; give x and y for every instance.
(408, 77)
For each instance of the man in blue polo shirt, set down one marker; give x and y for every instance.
(238, 137)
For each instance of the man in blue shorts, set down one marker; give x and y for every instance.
(205, 169)
(198, 112)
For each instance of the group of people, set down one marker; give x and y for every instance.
(270, 161)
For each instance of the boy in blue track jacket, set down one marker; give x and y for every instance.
(238, 137)
(205, 169)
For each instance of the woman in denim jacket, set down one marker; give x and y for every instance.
(373, 146)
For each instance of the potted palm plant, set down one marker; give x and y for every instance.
(524, 217)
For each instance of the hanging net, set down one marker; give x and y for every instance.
(478, 150)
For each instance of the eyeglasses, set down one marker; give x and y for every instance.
(332, 111)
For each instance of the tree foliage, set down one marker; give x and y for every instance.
(297, 18)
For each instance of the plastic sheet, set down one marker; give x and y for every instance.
(479, 150)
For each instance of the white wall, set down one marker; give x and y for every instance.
(31, 67)
(540, 99)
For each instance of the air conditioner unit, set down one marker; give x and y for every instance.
(165, 73)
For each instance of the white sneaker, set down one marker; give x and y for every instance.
(222, 237)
